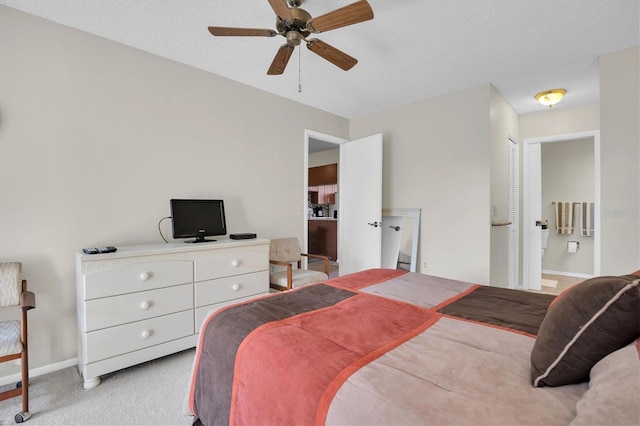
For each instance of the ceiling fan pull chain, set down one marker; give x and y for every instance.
(299, 67)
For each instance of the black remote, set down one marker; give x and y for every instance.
(97, 250)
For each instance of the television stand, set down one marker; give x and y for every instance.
(145, 302)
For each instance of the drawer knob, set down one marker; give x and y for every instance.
(235, 263)
(145, 276)
(235, 287)
(144, 306)
(146, 334)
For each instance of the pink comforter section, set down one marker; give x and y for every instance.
(308, 357)
(367, 278)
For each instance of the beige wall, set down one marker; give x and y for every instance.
(96, 137)
(437, 157)
(620, 153)
(617, 117)
(559, 121)
(322, 158)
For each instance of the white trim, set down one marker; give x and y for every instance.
(513, 282)
(526, 194)
(39, 371)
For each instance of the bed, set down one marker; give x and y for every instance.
(395, 347)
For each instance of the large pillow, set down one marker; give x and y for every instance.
(595, 318)
(613, 397)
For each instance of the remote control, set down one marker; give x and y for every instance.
(96, 250)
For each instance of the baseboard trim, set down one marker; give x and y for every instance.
(567, 274)
(39, 371)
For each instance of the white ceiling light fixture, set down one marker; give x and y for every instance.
(550, 97)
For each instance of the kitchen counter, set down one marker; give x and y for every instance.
(323, 218)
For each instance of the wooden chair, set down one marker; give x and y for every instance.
(285, 252)
(13, 334)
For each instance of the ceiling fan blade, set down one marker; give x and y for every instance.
(281, 9)
(331, 54)
(351, 14)
(250, 32)
(280, 61)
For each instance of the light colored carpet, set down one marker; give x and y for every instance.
(153, 393)
(549, 283)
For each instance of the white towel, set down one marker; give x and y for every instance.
(10, 287)
(564, 217)
(586, 219)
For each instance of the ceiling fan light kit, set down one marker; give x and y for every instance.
(550, 97)
(296, 24)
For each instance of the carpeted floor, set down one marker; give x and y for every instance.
(153, 393)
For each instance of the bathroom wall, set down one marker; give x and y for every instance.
(567, 175)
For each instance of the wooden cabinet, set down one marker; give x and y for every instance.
(323, 194)
(323, 184)
(323, 175)
(144, 302)
(323, 237)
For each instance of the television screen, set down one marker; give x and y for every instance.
(197, 218)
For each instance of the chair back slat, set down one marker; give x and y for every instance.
(285, 250)
(10, 283)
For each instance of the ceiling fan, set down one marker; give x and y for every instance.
(296, 25)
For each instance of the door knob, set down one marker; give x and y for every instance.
(374, 224)
(397, 228)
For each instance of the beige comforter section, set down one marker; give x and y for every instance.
(461, 373)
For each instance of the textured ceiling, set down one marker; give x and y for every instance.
(411, 50)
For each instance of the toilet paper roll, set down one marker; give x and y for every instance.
(573, 246)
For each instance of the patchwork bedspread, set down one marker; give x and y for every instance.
(377, 347)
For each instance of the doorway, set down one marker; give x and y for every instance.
(316, 143)
(533, 206)
(359, 199)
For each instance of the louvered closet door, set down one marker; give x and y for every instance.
(513, 205)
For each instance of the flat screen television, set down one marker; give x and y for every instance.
(197, 218)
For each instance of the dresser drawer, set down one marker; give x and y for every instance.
(231, 288)
(232, 262)
(116, 310)
(136, 277)
(118, 340)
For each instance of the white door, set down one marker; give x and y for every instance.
(360, 200)
(532, 271)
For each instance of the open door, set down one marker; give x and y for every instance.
(360, 200)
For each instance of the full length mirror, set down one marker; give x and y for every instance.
(400, 236)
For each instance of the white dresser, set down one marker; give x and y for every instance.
(144, 302)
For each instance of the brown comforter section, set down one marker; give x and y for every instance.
(503, 307)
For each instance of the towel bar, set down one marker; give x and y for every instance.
(503, 223)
